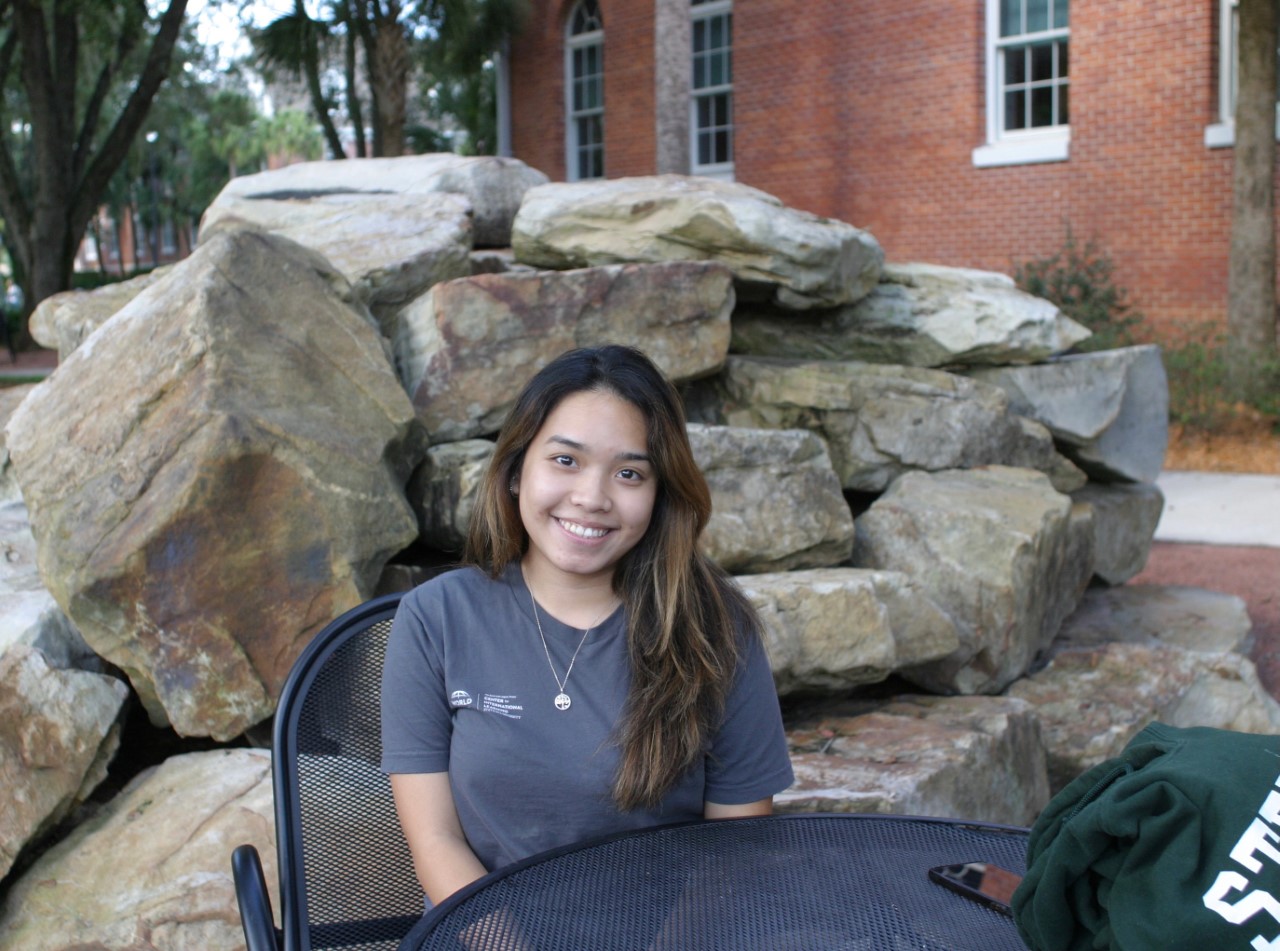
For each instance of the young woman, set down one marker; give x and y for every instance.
(589, 670)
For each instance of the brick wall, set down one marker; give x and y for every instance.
(870, 112)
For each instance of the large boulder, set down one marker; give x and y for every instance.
(1001, 552)
(11, 398)
(216, 473)
(976, 758)
(1155, 615)
(466, 348)
(776, 501)
(921, 315)
(58, 732)
(152, 870)
(62, 321)
(444, 488)
(832, 629)
(29, 615)
(880, 421)
(1108, 410)
(1093, 700)
(779, 254)
(493, 187)
(389, 248)
(1125, 516)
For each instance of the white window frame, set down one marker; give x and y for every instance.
(707, 10)
(572, 44)
(1222, 134)
(1019, 146)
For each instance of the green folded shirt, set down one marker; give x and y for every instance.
(1173, 844)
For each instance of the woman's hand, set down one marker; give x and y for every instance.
(715, 810)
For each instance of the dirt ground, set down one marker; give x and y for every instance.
(1250, 444)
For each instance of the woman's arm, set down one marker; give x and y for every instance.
(442, 858)
(715, 810)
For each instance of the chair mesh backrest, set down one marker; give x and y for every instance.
(356, 886)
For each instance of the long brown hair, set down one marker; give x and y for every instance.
(686, 619)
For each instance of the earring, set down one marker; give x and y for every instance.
(513, 487)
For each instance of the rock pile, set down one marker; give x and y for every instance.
(933, 503)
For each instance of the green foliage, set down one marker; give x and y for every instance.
(467, 105)
(1197, 373)
(91, 280)
(287, 134)
(1204, 393)
(1080, 279)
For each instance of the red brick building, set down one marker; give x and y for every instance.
(967, 133)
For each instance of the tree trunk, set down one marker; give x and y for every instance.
(1251, 285)
(673, 79)
(311, 69)
(389, 76)
(349, 47)
(49, 216)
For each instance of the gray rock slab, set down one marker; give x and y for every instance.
(789, 257)
(832, 629)
(216, 473)
(58, 732)
(61, 321)
(1125, 516)
(443, 491)
(390, 248)
(878, 420)
(1108, 410)
(999, 550)
(921, 315)
(1174, 615)
(29, 615)
(776, 500)
(1093, 700)
(977, 758)
(152, 868)
(493, 187)
(11, 398)
(465, 349)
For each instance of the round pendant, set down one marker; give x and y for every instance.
(562, 701)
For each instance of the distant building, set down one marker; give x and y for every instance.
(124, 245)
(969, 133)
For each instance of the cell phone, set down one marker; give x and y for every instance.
(983, 882)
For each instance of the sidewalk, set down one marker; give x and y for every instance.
(1215, 508)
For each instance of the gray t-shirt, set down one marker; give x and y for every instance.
(467, 689)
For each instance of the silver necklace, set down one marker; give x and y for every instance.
(562, 699)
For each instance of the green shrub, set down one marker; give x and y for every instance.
(1080, 279)
(1205, 391)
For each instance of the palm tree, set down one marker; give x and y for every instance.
(448, 38)
(294, 42)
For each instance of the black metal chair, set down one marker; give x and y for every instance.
(346, 876)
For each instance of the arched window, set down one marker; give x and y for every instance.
(712, 119)
(584, 92)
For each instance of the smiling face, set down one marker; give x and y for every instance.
(587, 488)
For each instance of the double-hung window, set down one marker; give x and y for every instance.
(584, 93)
(711, 122)
(1028, 85)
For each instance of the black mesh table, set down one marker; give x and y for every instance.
(784, 883)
